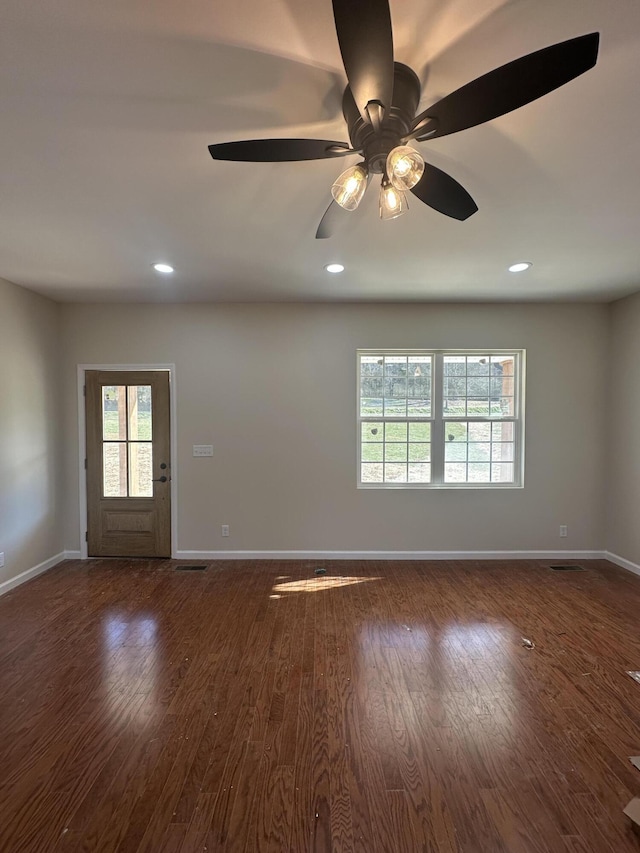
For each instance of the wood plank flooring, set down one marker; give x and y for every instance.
(385, 707)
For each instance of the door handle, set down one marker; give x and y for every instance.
(162, 479)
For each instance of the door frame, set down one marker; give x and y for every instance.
(82, 446)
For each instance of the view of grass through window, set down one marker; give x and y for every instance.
(127, 456)
(399, 387)
(438, 418)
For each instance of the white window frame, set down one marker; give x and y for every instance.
(438, 418)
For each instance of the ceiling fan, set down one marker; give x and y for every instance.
(379, 106)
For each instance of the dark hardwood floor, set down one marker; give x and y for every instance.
(384, 706)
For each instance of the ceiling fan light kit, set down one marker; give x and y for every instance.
(349, 188)
(393, 202)
(404, 167)
(379, 106)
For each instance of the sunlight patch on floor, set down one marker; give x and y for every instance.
(318, 584)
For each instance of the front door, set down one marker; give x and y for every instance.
(128, 463)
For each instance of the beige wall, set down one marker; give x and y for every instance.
(30, 445)
(623, 435)
(273, 387)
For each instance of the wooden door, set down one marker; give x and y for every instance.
(128, 463)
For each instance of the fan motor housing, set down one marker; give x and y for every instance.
(396, 123)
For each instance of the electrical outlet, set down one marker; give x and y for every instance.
(225, 529)
(1, 559)
(563, 530)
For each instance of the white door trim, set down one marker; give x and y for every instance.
(82, 445)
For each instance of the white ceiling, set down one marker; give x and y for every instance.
(107, 109)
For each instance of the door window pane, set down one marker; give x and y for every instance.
(140, 469)
(114, 424)
(139, 412)
(114, 469)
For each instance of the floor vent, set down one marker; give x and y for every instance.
(567, 568)
(191, 568)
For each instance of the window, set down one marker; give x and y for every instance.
(443, 419)
(126, 441)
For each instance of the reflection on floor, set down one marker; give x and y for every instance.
(394, 710)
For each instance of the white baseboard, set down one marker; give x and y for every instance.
(72, 555)
(389, 555)
(620, 561)
(27, 575)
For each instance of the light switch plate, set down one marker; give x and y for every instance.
(1, 558)
(203, 449)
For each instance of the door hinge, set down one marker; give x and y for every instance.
(86, 536)
(84, 390)
(85, 463)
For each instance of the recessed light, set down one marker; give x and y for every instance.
(165, 268)
(520, 267)
(334, 268)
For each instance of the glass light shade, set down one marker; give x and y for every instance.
(349, 188)
(392, 202)
(404, 167)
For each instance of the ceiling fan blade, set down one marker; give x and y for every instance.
(511, 86)
(366, 44)
(330, 221)
(444, 194)
(279, 150)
